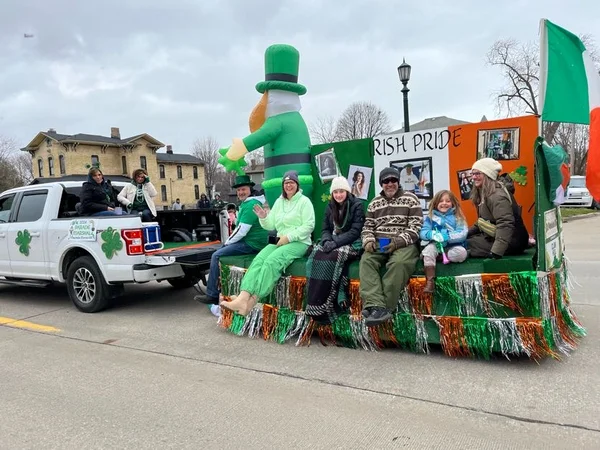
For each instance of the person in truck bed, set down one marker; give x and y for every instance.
(138, 196)
(98, 198)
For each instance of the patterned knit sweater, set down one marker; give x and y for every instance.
(399, 218)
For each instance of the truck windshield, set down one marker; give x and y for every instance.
(577, 183)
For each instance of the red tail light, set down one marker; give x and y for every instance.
(134, 243)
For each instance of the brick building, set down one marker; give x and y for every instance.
(175, 175)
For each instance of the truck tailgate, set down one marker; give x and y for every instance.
(193, 254)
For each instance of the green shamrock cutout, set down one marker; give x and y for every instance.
(112, 242)
(325, 198)
(519, 175)
(23, 240)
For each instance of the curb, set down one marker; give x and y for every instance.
(580, 217)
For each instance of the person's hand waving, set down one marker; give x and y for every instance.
(260, 211)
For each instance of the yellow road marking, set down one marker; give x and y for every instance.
(15, 323)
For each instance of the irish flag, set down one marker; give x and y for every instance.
(570, 90)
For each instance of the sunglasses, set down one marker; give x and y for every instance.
(390, 180)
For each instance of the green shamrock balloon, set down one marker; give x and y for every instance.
(23, 240)
(112, 242)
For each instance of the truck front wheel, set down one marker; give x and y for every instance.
(87, 289)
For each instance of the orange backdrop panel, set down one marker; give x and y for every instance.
(463, 152)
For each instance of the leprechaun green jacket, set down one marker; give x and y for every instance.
(294, 218)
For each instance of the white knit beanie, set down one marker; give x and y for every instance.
(488, 166)
(339, 183)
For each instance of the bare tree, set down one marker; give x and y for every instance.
(206, 149)
(520, 66)
(575, 138)
(361, 120)
(323, 130)
(15, 167)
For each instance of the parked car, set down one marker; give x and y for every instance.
(578, 194)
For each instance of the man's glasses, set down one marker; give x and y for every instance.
(390, 180)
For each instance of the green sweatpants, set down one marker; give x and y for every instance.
(268, 266)
(376, 290)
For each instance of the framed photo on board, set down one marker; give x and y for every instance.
(502, 144)
(416, 176)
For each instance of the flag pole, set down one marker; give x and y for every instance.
(543, 73)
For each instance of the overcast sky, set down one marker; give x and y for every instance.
(183, 69)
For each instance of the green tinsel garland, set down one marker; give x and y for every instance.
(405, 331)
(286, 319)
(446, 294)
(237, 324)
(525, 285)
(342, 330)
(479, 336)
(563, 309)
(225, 271)
(549, 333)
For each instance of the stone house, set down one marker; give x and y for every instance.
(175, 175)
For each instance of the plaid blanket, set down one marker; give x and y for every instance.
(327, 281)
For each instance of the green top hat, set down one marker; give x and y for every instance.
(281, 70)
(242, 180)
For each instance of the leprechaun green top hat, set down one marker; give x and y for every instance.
(242, 180)
(281, 70)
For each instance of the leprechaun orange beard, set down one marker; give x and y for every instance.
(258, 114)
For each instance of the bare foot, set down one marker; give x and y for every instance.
(249, 305)
(237, 303)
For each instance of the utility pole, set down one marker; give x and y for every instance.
(572, 150)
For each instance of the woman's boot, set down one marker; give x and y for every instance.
(429, 279)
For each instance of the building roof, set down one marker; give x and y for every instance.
(182, 158)
(432, 122)
(88, 138)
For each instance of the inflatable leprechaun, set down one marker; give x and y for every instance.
(276, 125)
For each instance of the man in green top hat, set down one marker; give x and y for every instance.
(276, 125)
(247, 237)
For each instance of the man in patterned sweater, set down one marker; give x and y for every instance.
(394, 219)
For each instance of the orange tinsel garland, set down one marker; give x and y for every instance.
(226, 318)
(422, 303)
(269, 321)
(297, 286)
(452, 336)
(502, 291)
(354, 297)
(326, 334)
(531, 332)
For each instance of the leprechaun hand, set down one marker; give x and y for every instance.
(231, 165)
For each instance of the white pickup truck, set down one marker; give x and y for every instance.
(43, 240)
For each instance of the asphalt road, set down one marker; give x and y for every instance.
(155, 372)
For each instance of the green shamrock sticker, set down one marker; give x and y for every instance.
(23, 240)
(112, 242)
(519, 175)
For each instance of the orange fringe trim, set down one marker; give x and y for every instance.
(502, 291)
(374, 332)
(297, 286)
(531, 333)
(326, 334)
(356, 304)
(269, 321)
(226, 317)
(422, 303)
(305, 341)
(452, 337)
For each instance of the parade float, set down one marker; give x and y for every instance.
(517, 305)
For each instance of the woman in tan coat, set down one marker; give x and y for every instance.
(499, 229)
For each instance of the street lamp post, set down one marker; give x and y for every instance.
(404, 74)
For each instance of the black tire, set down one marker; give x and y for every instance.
(184, 282)
(87, 289)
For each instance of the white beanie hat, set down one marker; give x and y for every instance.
(488, 166)
(339, 183)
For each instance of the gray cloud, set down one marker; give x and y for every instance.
(186, 69)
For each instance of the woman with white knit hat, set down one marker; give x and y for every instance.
(340, 244)
(499, 229)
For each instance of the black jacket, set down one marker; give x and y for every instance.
(351, 230)
(94, 197)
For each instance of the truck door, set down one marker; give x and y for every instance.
(27, 236)
(6, 203)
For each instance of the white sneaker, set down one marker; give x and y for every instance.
(215, 310)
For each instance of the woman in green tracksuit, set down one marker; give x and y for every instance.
(293, 217)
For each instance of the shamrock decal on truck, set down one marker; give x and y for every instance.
(23, 240)
(112, 242)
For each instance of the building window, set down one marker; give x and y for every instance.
(163, 193)
(143, 164)
(179, 172)
(40, 167)
(161, 171)
(195, 172)
(50, 166)
(196, 192)
(124, 164)
(95, 161)
(61, 163)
